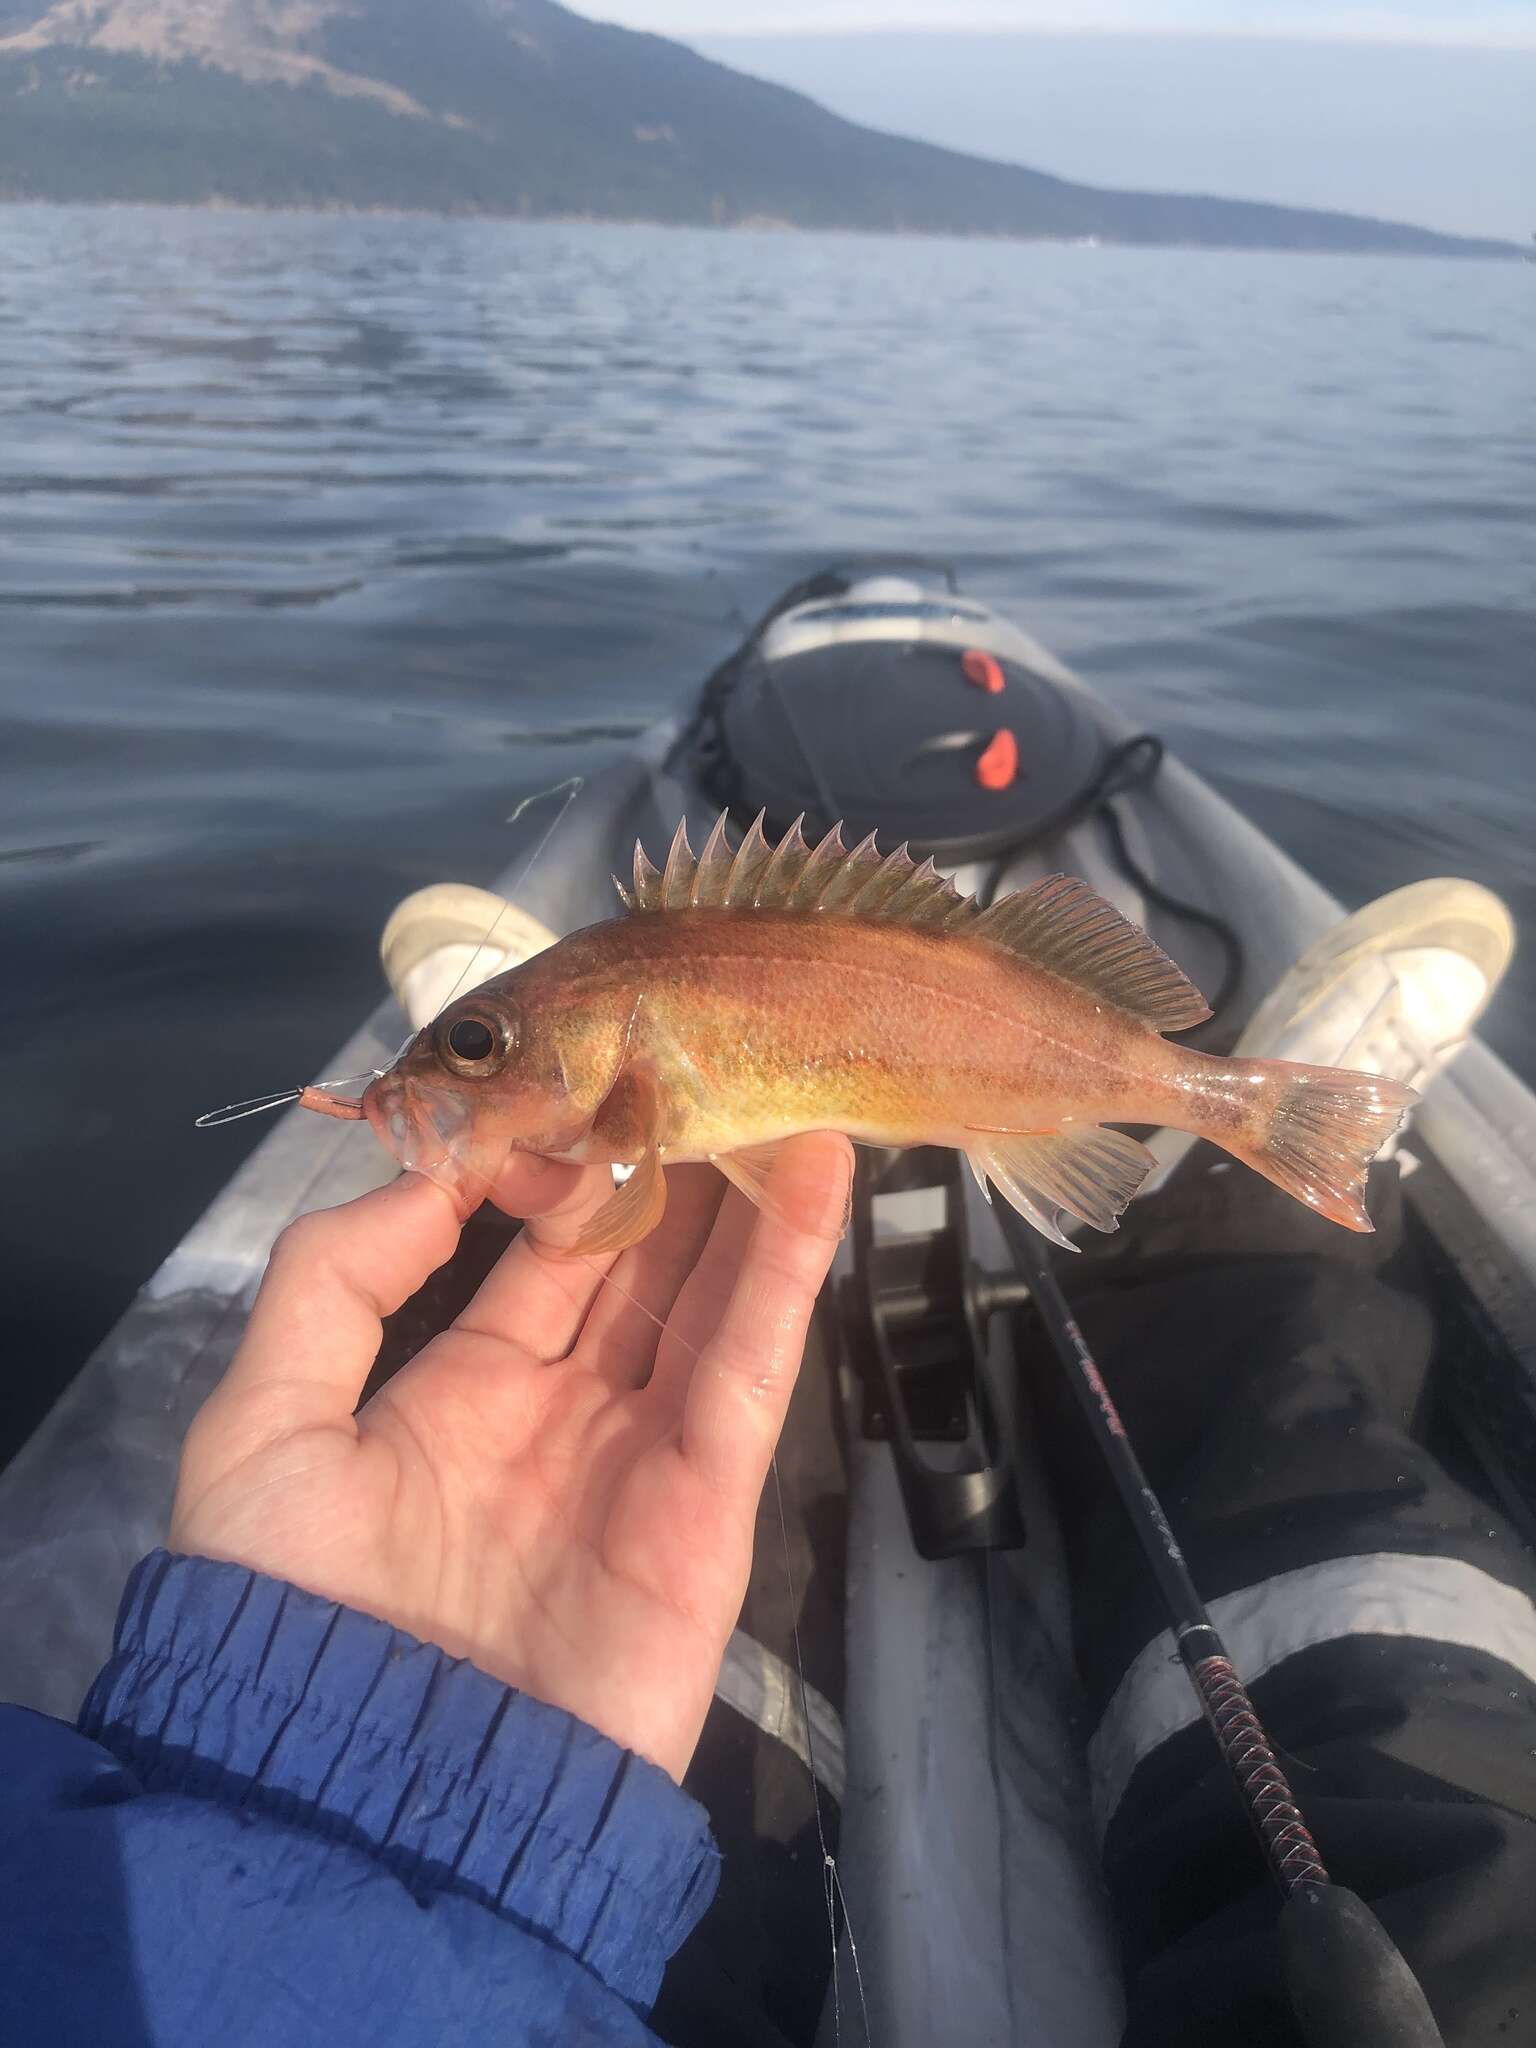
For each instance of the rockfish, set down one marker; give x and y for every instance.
(748, 994)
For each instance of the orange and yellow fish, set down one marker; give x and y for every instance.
(750, 993)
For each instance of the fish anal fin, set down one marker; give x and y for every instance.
(749, 1169)
(1082, 1170)
(1067, 928)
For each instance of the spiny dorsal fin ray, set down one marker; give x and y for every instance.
(785, 859)
(747, 868)
(1060, 925)
(803, 891)
(647, 895)
(712, 869)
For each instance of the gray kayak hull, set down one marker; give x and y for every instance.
(968, 1862)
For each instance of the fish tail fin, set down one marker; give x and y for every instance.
(1314, 1131)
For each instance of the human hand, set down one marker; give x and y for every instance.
(555, 1487)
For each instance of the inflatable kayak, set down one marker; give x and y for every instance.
(953, 1706)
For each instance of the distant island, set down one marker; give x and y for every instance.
(522, 108)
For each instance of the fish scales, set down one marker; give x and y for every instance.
(787, 1017)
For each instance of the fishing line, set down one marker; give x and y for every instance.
(253, 1105)
(573, 786)
(751, 651)
(832, 1883)
(258, 1105)
(991, 1568)
(585, 1259)
(572, 783)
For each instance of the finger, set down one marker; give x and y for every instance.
(620, 1336)
(333, 1276)
(702, 1304)
(702, 1300)
(536, 1295)
(527, 1185)
(740, 1388)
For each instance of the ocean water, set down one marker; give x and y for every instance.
(323, 538)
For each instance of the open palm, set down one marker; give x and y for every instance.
(561, 1487)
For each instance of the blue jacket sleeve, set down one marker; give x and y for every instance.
(284, 1822)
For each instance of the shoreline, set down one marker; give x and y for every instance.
(1458, 250)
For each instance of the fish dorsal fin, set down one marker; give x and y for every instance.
(793, 876)
(1060, 925)
(1067, 928)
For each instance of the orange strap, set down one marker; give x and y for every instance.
(983, 669)
(998, 763)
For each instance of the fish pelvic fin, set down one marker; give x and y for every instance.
(1314, 1132)
(749, 1169)
(1059, 924)
(1081, 1171)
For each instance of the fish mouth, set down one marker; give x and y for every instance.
(430, 1131)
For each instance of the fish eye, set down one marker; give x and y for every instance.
(471, 1040)
(474, 1043)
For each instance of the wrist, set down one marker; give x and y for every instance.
(230, 1686)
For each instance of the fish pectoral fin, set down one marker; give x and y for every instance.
(1082, 1171)
(748, 1170)
(630, 1120)
(631, 1213)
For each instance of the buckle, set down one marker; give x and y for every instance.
(913, 1315)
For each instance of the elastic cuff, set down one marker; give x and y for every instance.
(229, 1686)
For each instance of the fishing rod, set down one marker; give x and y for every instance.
(1347, 1981)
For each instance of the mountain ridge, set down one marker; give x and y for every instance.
(524, 108)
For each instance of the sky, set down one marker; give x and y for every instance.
(1412, 110)
(1478, 23)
